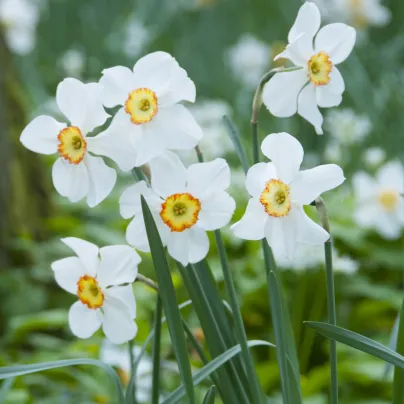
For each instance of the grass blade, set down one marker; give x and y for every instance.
(256, 392)
(205, 372)
(168, 297)
(358, 341)
(236, 140)
(6, 387)
(392, 344)
(20, 370)
(210, 396)
(398, 384)
(156, 352)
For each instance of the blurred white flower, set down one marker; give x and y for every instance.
(137, 37)
(19, 19)
(344, 264)
(359, 13)
(185, 203)
(374, 156)
(346, 126)
(119, 357)
(96, 276)
(249, 59)
(380, 204)
(333, 152)
(72, 62)
(151, 116)
(318, 83)
(76, 173)
(279, 191)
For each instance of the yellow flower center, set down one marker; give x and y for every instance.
(141, 105)
(275, 198)
(180, 211)
(389, 199)
(89, 292)
(72, 145)
(320, 67)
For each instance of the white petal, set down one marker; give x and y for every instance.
(252, 224)
(115, 142)
(118, 324)
(307, 21)
(160, 72)
(123, 295)
(308, 231)
(216, 211)
(391, 175)
(70, 180)
(286, 153)
(130, 203)
(309, 184)
(136, 234)
(204, 179)
(41, 135)
(257, 177)
(307, 107)
(118, 265)
(86, 251)
(101, 179)
(81, 104)
(117, 83)
(281, 92)
(337, 40)
(84, 322)
(330, 95)
(178, 128)
(189, 246)
(366, 214)
(67, 273)
(364, 186)
(168, 174)
(299, 51)
(388, 225)
(275, 235)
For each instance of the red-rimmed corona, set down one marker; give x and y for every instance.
(275, 198)
(72, 145)
(180, 211)
(89, 292)
(319, 69)
(141, 105)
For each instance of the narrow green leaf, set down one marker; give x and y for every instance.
(130, 396)
(168, 297)
(156, 352)
(205, 372)
(236, 139)
(294, 382)
(392, 344)
(5, 388)
(358, 341)
(20, 370)
(398, 384)
(256, 391)
(210, 396)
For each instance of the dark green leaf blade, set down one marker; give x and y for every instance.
(398, 384)
(210, 396)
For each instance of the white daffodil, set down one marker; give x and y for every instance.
(278, 192)
(76, 173)
(151, 115)
(380, 200)
(318, 83)
(99, 278)
(185, 204)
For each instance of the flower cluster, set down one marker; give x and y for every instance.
(150, 122)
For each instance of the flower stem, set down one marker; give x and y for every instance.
(147, 281)
(199, 154)
(257, 103)
(332, 315)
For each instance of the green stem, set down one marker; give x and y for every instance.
(332, 314)
(131, 355)
(398, 384)
(238, 321)
(147, 281)
(199, 154)
(156, 352)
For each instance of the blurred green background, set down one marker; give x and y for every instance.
(225, 46)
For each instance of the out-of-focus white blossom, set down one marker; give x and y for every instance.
(19, 19)
(374, 156)
(249, 59)
(72, 62)
(346, 126)
(137, 37)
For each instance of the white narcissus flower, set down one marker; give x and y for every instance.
(97, 276)
(76, 173)
(318, 83)
(185, 203)
(380, 200)
(151, 116)
(278, 192)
